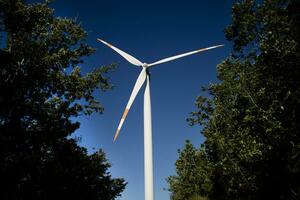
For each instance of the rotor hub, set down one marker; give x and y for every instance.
(145, 65)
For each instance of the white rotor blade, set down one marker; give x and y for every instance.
(128, 57)
(138, 84)
(183, 55)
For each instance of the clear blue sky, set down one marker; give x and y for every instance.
(149, 30)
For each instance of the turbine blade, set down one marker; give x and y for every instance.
(183, 55)
(128, 57)
(138, 84)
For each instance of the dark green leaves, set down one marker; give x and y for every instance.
(251, 120)
(42, 92)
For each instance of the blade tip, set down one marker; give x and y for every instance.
(100, 40)
(116, 135)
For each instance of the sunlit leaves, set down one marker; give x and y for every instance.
(251, 119)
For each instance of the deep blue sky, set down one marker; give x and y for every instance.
(149, 30)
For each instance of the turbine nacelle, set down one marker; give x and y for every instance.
(145, 65)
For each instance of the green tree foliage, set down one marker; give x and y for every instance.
(251, 119)
(42, 88)
(193, 171)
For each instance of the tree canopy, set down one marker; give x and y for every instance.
(42, 89)
(193, 170)
(251, 118)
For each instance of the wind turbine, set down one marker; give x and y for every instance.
(142, 78)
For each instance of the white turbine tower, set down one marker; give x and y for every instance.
(145, 77)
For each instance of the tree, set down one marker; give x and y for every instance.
(251, 119)
(193, 175)
(42, 88)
